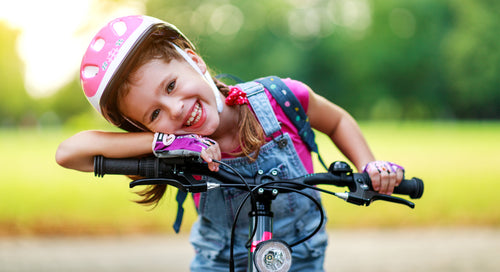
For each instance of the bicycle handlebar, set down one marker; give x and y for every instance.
(180, 172)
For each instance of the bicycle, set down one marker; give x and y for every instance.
(264, 252)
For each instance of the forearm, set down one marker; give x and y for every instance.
(346, 134)
(78, 151)
(341, 127)
(349, 139)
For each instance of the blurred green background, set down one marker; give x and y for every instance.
(420, 76)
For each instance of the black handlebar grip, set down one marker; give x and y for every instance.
(119, 166)
(412, 187)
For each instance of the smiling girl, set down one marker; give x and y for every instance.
(144, 76)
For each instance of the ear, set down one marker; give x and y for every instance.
(197, 59)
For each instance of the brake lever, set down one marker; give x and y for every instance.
(393, 199)
(365, 198)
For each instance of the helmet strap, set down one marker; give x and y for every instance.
(134, 123)
(206, 75)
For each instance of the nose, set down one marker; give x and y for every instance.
(174, 107)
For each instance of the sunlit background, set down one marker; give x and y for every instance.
(53, 36)
(54, 32)
(420, 76)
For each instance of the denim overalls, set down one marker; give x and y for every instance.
(295, 216)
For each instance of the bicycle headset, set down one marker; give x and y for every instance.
(105, 63)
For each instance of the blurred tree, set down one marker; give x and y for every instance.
(65, 104)
(388, 67)
(386, 59)
(70, 101)
(473, 59)
(233, 36)
(378, 59)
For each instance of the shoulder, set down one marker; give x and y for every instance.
(300, 90)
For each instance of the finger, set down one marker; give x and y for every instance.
(209, 155)
(217, 152)
(213, 166)
(399, 176)
(375, 178)
(392, 183)
(384, 182)
(206, 156)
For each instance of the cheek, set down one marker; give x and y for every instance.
(213, 123)
(162, 126)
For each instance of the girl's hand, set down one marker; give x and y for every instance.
(384, 175)
(212, 153)
(170, 145)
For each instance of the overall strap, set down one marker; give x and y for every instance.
(261, 106)
(293, 110)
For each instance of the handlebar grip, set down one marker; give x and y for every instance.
(412, 187)
(129, 166)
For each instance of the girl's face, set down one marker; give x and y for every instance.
(172, 98)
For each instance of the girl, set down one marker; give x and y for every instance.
(145, 76)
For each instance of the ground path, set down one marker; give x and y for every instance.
(443, 250)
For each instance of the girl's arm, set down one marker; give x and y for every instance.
(78, 151)
(341, 127)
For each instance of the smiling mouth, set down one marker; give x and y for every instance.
(195, 115)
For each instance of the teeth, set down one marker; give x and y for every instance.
(195, 115)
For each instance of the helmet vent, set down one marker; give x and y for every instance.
(120, 28)
(90, 71)
(98, 44)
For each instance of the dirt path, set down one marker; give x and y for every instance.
(359, 250)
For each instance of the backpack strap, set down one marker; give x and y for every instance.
(180, 198)
(294, 111)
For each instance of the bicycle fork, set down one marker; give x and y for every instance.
(265, 253)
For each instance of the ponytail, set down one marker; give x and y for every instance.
(250, 134)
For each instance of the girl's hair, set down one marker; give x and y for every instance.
(159, 46)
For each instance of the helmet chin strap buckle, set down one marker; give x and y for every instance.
(206, 75)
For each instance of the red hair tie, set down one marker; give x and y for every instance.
(236, 97)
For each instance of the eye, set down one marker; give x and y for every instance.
(155, 114)
(171, 87)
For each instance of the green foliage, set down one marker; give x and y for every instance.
(68, 103)
(473, 59)
(393, 70)
(380, 60)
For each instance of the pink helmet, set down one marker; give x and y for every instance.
(109, 51)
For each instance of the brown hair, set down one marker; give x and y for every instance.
(159, 46)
